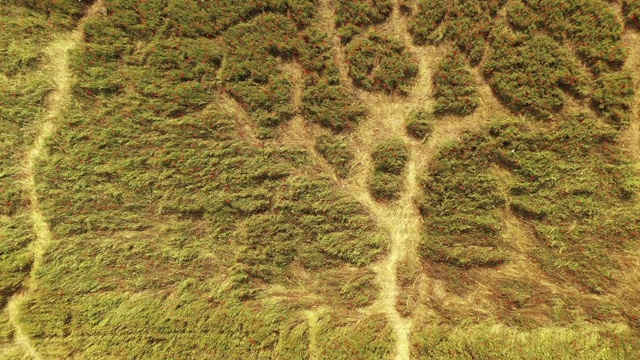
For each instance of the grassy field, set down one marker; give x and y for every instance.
(319, 179)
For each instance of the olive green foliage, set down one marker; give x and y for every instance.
(419, 124)
(251, 67)
(342, 339)
(378, 63)
(385, 186)
(461, 206)
(631, 10)
(336, 151)
(60, 14)
(389, 160)
(331, 105)
(390, 156)
(23, 90)
(454, 88)
(175, 222)
(595, 37)
(529, 73)
(490, 341)
(564, 179)
(352, 16)
(589, 26)
(15, 258)
(613, 97)
(22, 35)
(465, 22)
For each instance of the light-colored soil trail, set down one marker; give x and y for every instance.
(386, 118)
(56, 68)
(312, 320)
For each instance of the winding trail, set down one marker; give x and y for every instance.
(56, 68)
(312, 319)
(400, 219)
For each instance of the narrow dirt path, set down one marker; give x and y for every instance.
(327, 16)
(312, 319)
(56, 67)
(387, 113)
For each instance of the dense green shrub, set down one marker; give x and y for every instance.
(529, 73)
(390, 156)
(377, 63)
(62, 14)
(454, 88)
(354, 15)
(429, 16)
(563, 180)
(419, 124)
(332, 106)
(253, 52)
(631, 11)
(465, 22)
(590, 26)
(385, 186)
(613, 96)
(336, 151)
(23, 33)
(522, 17)
(389, 160)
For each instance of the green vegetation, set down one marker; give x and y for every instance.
(378, 63)
(336, 151)
(589, 26)
(352, 16)
(529, 73)
(491, 341)
(389, 160)
(60, 14)
(331, 105)
(189, 219)
(419, 124)
(461, 206)
(613, 97)
(23, 90)
(467, 23)
(532, 78)
(564, 178)
(390, 156)
(631, 10)
(360, 340)
(454, 87)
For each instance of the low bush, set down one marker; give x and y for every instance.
(613, 97)
(466, 23)
(631, 11)
(336, 151)
(522, 17)
(529, 74)
(332, 106)
(389, 160)
(385, 186)
(590, 26)
(454, 88)
(419, 124)
(390, 156)
(429, 15)
(61, 14)
(353, 16)
(562, 176)
(377, 63)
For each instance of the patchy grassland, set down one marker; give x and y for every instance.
(186, 224)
